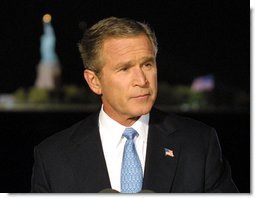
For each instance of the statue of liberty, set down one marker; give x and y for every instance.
(48, 42)
(48, 73)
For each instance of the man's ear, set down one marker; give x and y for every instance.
(93, 81)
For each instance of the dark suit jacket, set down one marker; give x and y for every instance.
(73, 160)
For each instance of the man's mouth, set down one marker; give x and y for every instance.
(142, 96)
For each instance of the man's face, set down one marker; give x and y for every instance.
(128, 79)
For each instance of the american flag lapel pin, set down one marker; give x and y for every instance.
(169, 152)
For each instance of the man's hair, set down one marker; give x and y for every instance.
(91, 43)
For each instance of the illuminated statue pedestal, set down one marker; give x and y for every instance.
(48, 76)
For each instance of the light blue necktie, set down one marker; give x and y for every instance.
(131, 170)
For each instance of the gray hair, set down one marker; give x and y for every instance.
(91, 43)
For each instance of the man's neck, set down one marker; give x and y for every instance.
(122, 119)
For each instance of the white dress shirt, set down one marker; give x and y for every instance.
(113, 144)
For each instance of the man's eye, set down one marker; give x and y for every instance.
(148, 65)
(124, 69)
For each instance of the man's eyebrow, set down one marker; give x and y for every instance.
(130, 63)
(148, 59)
(124, 64)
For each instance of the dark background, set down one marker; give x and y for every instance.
(195, 38)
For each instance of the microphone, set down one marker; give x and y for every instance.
(108, 190)
(147, 191)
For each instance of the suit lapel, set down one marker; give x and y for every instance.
(159, 168)
(87, 157)
(89, 166)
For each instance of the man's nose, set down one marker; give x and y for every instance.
(140, 78)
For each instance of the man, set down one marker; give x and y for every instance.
(161, 153)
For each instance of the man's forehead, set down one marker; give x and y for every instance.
(127, 44)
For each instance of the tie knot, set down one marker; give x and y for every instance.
(130, 133)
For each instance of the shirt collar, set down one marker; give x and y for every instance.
(107, 124)
(141, 126)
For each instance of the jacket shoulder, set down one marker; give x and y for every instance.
(64, 137)
(178, 121)
(182, 126)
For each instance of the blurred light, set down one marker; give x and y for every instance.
(47, 18)
(203, 83)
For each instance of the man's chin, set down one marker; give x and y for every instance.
(143, 111)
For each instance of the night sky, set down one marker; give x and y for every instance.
(196, 38)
